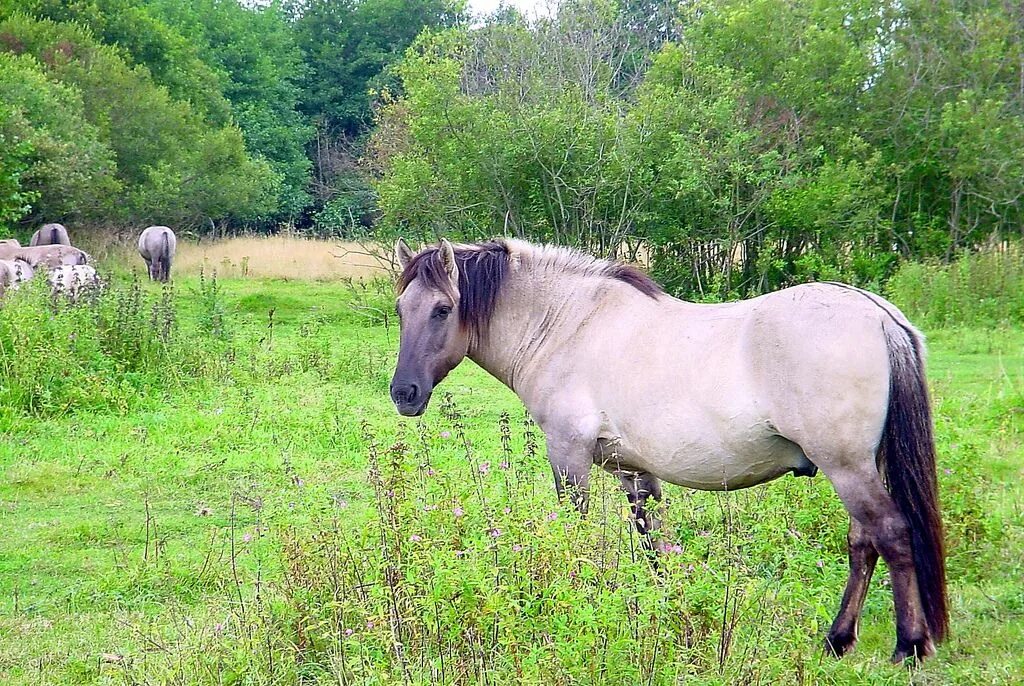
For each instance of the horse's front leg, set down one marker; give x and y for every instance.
(571, 455)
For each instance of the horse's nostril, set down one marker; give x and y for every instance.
(405, 394)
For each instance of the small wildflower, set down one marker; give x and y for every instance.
(297, 480)
(495, 533)
(415, 538)
(517, 548)
(485, 468)
(458, 511)
(504, 464)
(446, 434)
(675, 549)
(370, 625)
(349, 632)
(948, 471)
(460, 553)
(429, 508)
(218, 628)
(820, 563)
(430, 471)
(219, 410)
(552, 516)
(247, 538)
(508, 510)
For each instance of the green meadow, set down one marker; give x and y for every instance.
(209, 485)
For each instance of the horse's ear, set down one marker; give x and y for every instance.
(403, 255)
(448, 260)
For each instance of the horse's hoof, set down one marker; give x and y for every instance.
(838, 645)
(913, 651)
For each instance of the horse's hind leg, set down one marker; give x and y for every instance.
(863, 556)
(867, 501)
(639, 487)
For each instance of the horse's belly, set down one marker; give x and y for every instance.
(715, 467)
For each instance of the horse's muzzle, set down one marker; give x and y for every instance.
(410, 400)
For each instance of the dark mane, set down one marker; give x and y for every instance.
(484, 266)
(627, 273)
(482, 270)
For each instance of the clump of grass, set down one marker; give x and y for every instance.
(459, 566)
(212, 308)
(978, 289)
(104, 352)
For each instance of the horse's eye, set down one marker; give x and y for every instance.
(442, 312)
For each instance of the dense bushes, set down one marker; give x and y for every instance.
(766, 143)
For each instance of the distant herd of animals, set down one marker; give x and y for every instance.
(68, 269)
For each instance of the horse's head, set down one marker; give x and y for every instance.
(433, 339)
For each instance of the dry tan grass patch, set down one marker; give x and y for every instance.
(286, 257)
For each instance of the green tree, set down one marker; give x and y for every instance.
(159, 143)
(15, 200)
(254, 49)
(71, 170)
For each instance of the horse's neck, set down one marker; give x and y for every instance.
(529, 323)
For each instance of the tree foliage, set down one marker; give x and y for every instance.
(760, 143)
(171, 166)
(740, 145)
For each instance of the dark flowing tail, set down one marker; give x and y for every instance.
(907, 458)
(165, 257)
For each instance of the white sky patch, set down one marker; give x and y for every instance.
(531, 8)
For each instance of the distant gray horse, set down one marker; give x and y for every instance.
(47, 256)
(157, 245)
(13, 273)
(8, 275)
(51, 234)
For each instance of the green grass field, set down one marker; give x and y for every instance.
(269, 519)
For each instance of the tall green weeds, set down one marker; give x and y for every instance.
(105, 352)
(978, 289)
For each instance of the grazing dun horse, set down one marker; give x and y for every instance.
(157, 245)
(50, 234)
(15, 272)
(45, 256)
(73, 280)
(715, 397)
(8, 275)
